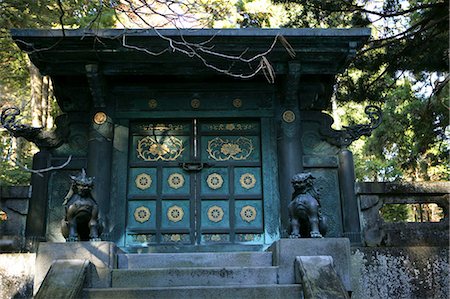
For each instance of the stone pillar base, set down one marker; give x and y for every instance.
(101, 255)
(285, 252)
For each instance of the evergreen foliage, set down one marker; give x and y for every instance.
(404, 67)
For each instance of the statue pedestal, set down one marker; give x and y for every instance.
(285, 252)
(101, 255)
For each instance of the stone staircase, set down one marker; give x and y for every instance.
(196, 275)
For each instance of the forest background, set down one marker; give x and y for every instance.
(404, 69)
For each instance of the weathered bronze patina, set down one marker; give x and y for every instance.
(166, 136)
(81, 220)
(304, 209)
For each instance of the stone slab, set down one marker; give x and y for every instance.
(286, 250)
(65, 279)
(100, 254)
(318, 278)
(199, 259)
(207, 276)
(216, 292)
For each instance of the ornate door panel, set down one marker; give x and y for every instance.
(194, 182)
(230, 190)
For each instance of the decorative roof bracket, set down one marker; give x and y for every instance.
(40, 137)
(343, 138)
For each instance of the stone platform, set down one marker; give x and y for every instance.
(285, 252)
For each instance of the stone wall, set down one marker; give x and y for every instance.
(373, 196)
(405, 270)
(392, 272)
(14, 202)
(400, 272)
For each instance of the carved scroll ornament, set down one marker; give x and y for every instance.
(37, 135)
(150, 148)
(224, 149)
(345, 137)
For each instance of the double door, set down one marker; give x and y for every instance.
(195, 182)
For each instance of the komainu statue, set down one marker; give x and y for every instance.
(304, 209)
(81, 221)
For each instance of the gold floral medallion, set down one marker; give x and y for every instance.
(215, 238)
(143, 181)
(224, 149)
(142, 214)
(247, 181)
(230, 127)
(155, 148)
(175, 213)
(175, 238)
(214, 181)
(176, 180)
(248, 213)
(215, 214)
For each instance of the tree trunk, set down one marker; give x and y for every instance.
(36, 81)
(41, 98)
(45, 100)
(49, 120)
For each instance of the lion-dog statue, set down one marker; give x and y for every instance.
(304, 209)
(81, 221)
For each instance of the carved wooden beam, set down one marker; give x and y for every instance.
(96, 85)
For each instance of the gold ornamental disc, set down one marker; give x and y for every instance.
(247, 180)
(100, 118)
(248, 213)
(143, 181)
(152, 104)
(237, 103)
(214, 181)
(195, 103)
(175, 213)
(289, 116)
(142, 214)
(176, 180)
(215, 214)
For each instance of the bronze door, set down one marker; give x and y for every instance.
(194, 182)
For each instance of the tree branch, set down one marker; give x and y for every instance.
(39, 171)
(61, 17)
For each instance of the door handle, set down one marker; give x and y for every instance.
(194, 166)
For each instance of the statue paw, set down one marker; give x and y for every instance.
(72, 239)
(294, 236)
(95, 239)
(316, 235)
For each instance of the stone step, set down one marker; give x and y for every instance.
(199, 259)
(208, 276)
(204, 292)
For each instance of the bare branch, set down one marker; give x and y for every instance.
(39, 172)
(124, 43)
(61, 17)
